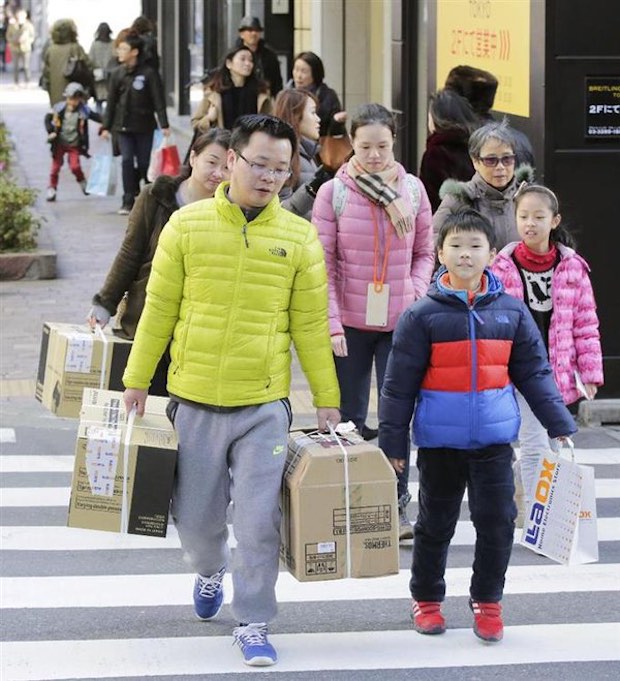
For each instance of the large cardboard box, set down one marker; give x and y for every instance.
(99, 470)
(314, 510)
(71, 359)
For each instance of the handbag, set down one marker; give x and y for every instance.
(103, 174)
(560, 521)
(77, 71)
(334, 151)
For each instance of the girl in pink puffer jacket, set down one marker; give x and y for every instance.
(546, 273)
(374, 221)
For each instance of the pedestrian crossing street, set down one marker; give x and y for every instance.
(84, 605)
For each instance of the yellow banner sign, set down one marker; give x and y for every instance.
(493, 35)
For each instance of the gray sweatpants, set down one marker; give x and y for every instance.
(238, 456)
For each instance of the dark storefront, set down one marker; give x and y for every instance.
(573, 123)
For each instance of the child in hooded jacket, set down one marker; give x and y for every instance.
(457, 356)
(67, 133)
(545, 272)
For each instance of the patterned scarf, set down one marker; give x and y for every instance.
(381, 188)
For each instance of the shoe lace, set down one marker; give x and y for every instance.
(254, 634)
(209, 586)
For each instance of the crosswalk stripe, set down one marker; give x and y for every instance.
(113, 658)
(605, 488)
(112, 591)
(15, 463)
(58, 538)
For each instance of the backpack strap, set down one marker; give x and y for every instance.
(413, 189)
(339, 197)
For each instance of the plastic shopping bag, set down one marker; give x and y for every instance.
(165, 158)
(102, 178)
(560, 522)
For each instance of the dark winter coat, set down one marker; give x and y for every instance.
(329, 104)
(132, 266)
(446, 157)
(53, 123)
(266, 66)
(497, 206)
(297, 199)
(456, 363)
(134, 96)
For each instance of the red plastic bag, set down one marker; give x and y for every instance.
(170, 162)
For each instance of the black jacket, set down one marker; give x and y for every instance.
(134, 96)
(53, 123)
(266, 66)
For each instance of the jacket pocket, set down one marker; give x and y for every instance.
(289, 410)
(183, 342)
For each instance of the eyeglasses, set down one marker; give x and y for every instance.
(261, 170)
(492, 161)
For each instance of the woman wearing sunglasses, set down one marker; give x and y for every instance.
(492, 188)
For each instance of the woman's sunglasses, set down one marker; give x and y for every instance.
(492, 161)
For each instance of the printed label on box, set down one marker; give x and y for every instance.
(363, 519)
(101, 460)
(79, 353)
(320, 562)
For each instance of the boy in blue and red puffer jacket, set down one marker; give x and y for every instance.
(457, 356)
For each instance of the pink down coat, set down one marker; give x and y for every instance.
(349, 253)
(574, 339)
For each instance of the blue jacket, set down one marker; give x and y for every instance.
(457, 363)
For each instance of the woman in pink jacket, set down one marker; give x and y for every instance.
(374, 221)
(546, 273)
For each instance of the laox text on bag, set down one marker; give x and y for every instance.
(542, 496)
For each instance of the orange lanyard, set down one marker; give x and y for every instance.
(378, 282)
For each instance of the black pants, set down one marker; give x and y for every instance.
(354, 376)
(135, 148)
(444, 476)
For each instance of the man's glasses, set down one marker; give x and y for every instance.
(491, 161)
(261, 170)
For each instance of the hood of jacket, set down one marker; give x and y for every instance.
(64, 31)
(164, 190)
(476, 187)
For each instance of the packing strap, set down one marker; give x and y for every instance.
(104, 358)
(347, 502)
(126, 445)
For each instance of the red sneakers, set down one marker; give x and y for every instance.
(488, 623)
(427, 617)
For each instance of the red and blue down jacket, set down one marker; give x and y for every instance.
(457, 363)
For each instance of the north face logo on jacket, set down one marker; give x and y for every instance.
(277, 250)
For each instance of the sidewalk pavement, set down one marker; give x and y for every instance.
(86, 233)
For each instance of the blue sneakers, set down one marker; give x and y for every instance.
(256, 649)
(208, 595)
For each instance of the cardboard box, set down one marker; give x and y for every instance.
(71, 359)
(314, 534)
(98, 474)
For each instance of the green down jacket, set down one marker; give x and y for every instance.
(232, 295)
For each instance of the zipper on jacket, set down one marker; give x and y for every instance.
(473, 316)
(244, 231)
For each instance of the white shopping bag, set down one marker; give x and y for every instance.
(560, 522)
(585, 546)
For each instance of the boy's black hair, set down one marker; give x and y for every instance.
(466, 220)
(246, 126)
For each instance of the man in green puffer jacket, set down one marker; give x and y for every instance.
(234, 280)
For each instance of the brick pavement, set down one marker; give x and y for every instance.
(86, 233)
